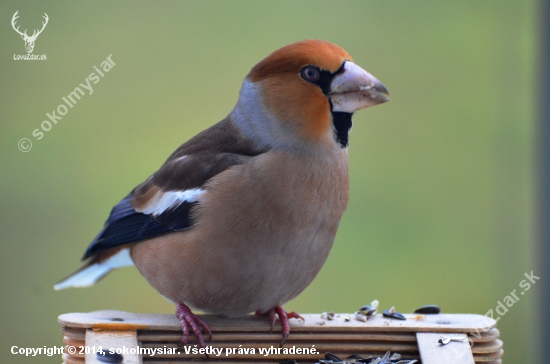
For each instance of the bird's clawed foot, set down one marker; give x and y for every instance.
(278, 311)
(188, 319)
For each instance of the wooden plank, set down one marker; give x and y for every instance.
(431, 352)
(109, 339)
(487, 348)
(297, 338)
(69, 359)
(166, 335)
(485, 358)
(339, 336)
(74, 333)
(111, 320)
(336, 348)
(481, 345)
(253, 350)
(72, 342)
(490, 335)
(301, 337)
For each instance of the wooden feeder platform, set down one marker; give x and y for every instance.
(413, 339)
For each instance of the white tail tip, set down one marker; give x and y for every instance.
(90, 275)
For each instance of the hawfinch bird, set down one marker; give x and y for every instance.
(242, 217)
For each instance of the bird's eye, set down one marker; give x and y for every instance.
(310, 74)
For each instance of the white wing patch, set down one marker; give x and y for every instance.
(162, 201)
(179, 159)
(90, 275)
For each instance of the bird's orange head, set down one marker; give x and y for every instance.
(313, 87)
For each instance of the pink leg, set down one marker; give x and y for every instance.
(283, 317)
(187, 319)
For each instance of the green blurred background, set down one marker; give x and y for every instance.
(441, 207)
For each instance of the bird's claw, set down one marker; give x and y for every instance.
(188, 319)
(283, 316)
(283, 340)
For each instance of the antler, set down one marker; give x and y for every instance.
(29, 41)
(43, 26)
(17, 29)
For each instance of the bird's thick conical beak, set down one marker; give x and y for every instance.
(355, 89)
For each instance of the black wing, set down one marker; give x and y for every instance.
(125, 225)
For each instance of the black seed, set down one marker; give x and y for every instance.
(117, 319)
(366, 360)
(108, 357)
(367, 310)
(334, 358)
(428, 310)
(396, 315)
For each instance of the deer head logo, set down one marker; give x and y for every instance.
(29, 41)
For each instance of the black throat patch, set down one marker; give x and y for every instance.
(342, 125)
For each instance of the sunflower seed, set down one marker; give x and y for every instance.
(428, 309)
(392, 313)
(360, 317)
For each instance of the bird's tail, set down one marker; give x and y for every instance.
(95, 269)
